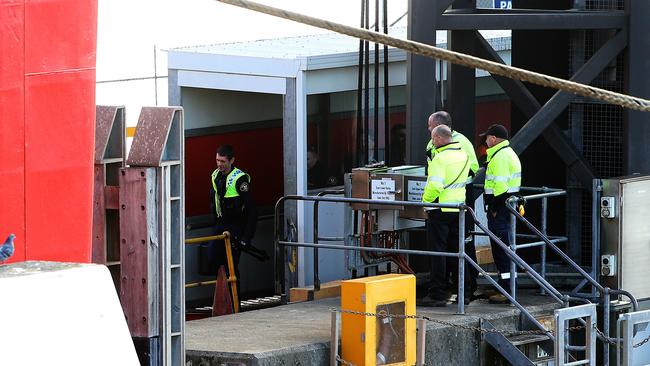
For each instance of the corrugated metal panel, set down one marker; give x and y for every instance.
(324, 49)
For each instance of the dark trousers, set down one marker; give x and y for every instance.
(499, 224)
(442, 236)
(470, 249)
(216, 254)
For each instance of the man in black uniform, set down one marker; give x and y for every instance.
(233, 208)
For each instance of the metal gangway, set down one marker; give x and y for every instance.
(568, 318)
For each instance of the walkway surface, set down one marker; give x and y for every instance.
(299, 333)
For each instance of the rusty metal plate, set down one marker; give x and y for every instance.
(135, 278)
(152, 135)
(109, 132)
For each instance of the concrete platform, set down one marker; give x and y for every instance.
(298, 334)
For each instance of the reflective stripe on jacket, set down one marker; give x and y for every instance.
(503, 174)
(447, 176)
(231, 186)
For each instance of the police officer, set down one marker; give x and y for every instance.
(502, 180)
(233, 208)
(447, 176)
(444, 118)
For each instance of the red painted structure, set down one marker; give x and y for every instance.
(47, 117)
(259, 153)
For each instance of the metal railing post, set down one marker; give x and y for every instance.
(316, 276)
(606, 307)
(513, 247)
(461, 261)
(595, 232)
(543, 246)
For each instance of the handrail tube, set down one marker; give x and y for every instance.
(539, 243)
(544, 195)
(526, 188)
(370, 201)
(635, 303)
(553, 246)
(331, 238)
(523, 236)
(205, 238)
(367, 249)
(514, 257)
(512, 300)
(576, 363)
(531, 236)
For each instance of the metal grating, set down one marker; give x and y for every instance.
(605, 5)
(596, 128)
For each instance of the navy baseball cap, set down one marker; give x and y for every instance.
(496, 130)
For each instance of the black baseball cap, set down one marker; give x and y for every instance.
(496, 130)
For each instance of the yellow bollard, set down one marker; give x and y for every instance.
(386, 339)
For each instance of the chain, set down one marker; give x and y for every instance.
(384, 314)
(646, 340)
(344, 362)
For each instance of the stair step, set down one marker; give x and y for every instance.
(521, 339)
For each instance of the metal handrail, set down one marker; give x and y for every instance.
(604, 291)
(279, 258)
(512, 201)
(202, 239)
(518, 261)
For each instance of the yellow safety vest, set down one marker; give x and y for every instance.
(447, 176)
(231, 186)
(503, 174)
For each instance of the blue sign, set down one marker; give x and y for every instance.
(503, 4)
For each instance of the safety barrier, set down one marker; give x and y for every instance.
(604, 292)
(280, 266)
(563, 299)
(628, 326)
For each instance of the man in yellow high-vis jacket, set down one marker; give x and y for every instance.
(502, 180)
(447, 176)
(444, 118)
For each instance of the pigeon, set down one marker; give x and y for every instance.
(7, 248)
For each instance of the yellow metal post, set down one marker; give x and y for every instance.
(232, 278)
(382, 340)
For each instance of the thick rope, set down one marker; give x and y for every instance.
(422, 49)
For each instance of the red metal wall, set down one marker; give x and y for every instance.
(47, 114)
(257, 152)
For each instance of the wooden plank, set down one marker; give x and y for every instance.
(327, 290)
